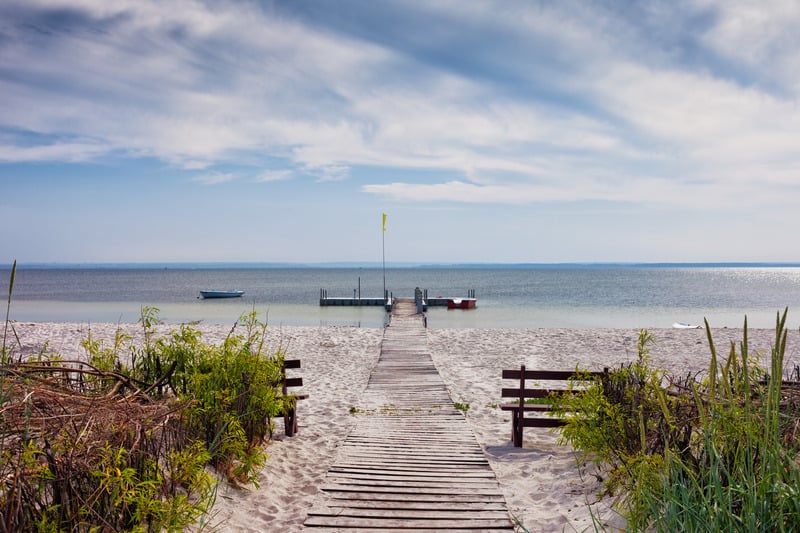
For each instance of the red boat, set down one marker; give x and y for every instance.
(462, 303)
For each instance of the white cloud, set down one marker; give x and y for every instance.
(72, 152)
(275, 175)
(214, 178)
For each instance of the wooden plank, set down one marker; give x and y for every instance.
(542, 422)
(554, 375)
(535, 407)
(405, 474)
(421, 505)
(506, 392)
(416, 514)
(451, 490)
(324, 529)
(411, 466)
(418, 482)
(408, 523)
(488, 499)
(293, 382)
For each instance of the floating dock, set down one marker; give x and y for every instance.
(386, 301)
(356, 300)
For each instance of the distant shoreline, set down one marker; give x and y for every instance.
(393, 265)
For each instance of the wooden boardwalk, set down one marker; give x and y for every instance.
(411, 463)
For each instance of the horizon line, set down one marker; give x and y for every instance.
(379, 265)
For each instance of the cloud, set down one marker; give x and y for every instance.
(214, 178)
(275, 175)
(513, 101)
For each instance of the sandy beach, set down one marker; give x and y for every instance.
(544, 487)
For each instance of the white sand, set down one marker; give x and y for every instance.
(544, 488)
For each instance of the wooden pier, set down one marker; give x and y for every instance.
(356, 300)
(411, 463)
(386, 301)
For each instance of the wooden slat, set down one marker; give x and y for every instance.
(294, 382)
(421, 505)
(534, 422)
(506, 392)
(534, 407)
(554, 375)
(406, 523)
(334, 495)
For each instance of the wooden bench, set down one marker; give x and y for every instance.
(522, 393)
(290, 413)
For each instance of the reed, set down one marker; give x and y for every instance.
(4, 352)
(742, 472)
(99, 445)
(719, 454)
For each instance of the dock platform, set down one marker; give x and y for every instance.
(386, 301)
(411, 462)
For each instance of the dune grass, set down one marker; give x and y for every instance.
(689, 454)
(105, 445)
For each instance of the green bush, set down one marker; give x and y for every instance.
(102, 445)
(715, 455)
(232, 391)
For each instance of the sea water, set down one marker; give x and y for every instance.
(536, 296)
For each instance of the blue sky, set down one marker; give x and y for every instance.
(505, 131)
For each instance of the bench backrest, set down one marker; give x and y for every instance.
(291, 382)
(524, 391)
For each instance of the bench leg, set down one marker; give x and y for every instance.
(290, 420)
(516, 428)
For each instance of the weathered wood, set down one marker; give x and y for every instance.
(290, 414)
(523, 391)
(445, 505)
(411, 462)
(405, 523)
(333, 494)
(324, 529)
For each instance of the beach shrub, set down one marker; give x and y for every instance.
(625, 420)
(719, 454)
(72, 460)
(102, 445)
(235, 393)
(232, 391)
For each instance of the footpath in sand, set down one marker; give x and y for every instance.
(412, 461)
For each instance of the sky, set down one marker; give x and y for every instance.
(488, 131)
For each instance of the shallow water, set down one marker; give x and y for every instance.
(574, 296)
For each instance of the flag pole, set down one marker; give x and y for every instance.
(383, 253)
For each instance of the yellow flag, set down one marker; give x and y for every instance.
(384, 222)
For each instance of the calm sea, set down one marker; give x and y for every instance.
(577, 296)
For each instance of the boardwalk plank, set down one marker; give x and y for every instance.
(408, 523)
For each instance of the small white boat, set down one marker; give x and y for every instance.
(684, 325)
(221, 294)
